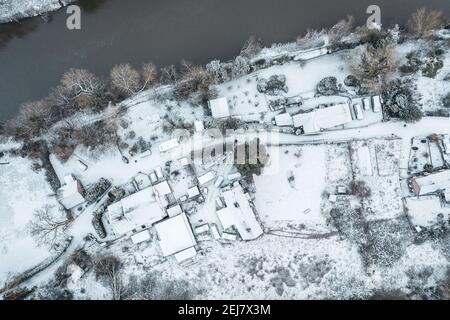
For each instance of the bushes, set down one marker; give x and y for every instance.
(194, 79)
(400, 102)
(424, 21)
(360, 189)
(446, 101)
(97, 135)
(253, 160)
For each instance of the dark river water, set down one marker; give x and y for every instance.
(34, 54)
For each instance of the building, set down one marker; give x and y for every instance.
(176, 237)
(140, 237)
(135, 212)
(71, 194)
(219, 108)
(168, 145)
(322, 119)
(284, 120)
(239, 214)
(438, 181)
(205, 178)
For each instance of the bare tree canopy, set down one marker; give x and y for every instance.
(109, 269)
(125, 79)
(251, 47)
(81, 81)
(48, 225)
(149, 74)
(424, 21)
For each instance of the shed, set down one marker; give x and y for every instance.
(219, 108)
(284, 120)
(71, 194)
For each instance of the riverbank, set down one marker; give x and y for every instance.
(15, 10)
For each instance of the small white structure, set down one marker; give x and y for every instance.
(168, 145)
(193, 192)
(376, 103)
(284, 120)
(234, 176)
(325, 118)
(199, 126)
(71, 193)
(239, 214)
(73, 282)
(162, 188)
(175, 237)
(205, 178)
(174, 211)
(229, 236)
(219, 108)
(184, 161)
(138, 210)
(140, 237)
(202, 229)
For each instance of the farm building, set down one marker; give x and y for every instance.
(71, 194)
(284, 120)
(321, 119)
(437, 181)
(176, 237)
(139, 210)
(219, 108)
(239, 214)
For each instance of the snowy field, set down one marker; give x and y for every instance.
(22, 191)
(294, 191)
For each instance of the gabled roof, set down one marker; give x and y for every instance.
(324, 118)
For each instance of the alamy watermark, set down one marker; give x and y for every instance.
(73, 22)
(374, 20)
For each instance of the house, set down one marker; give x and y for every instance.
(205, 178)
(284, 120)
(71, 194)
(161, 189)
(176, 237)
(140, 237)
(322, 119)
(239, 214)
(219, 108)
(137, 211)
(438, 181)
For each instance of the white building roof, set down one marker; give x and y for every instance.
(175, 234)
(284, 119)
(70, 194)
(140, 237)
(185, 254)
(239, 214)
(193, 192)
(205, 178)
(219, 108)
(175, 210)
(162, 188)
(324, 118)
(433, 182)
(138, 209)
(199, 127)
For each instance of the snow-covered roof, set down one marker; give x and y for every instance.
(140, 237)
(193, 192)
(205, 178)
(138, 209)
(219, 108)
(284, 119)
(185, 254)
(162, 188)
(70, 194)
(239, 214)
(324, 118)
(175, 234)
(175, 210)
(432, 182)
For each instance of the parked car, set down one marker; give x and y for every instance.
(376, 103)
(159, 173)
(358, 111)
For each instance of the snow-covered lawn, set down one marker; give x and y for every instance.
(424, 211)
(22, 191)
(294, 191)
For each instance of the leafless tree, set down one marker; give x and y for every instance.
(251, 47)
(194, 79)
(81, 81)
(48, 225)
(341, 29)
(424, 21)
(109, 268)
(149, 74)
(374, 67)
(312, 38)
(169, 74)
(125, 79)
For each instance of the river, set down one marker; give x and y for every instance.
(35, 53)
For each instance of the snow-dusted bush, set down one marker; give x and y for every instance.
(400, 101)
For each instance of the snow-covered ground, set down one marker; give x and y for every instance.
(12, 10)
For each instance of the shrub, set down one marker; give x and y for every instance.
(360, 189)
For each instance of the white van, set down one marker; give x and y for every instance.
(358, 111)
(159, 173)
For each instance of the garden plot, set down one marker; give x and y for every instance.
(22, 191)
(424, 211)
(294, 191)
(425, 155)
(384, 202)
